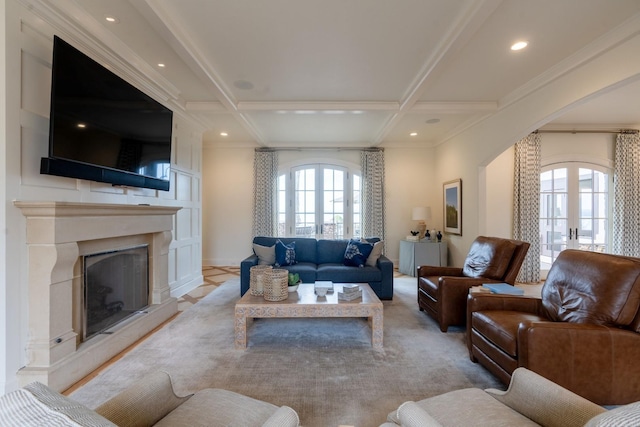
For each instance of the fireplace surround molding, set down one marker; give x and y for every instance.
(58, 235)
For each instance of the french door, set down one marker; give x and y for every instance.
(321, 201)
(574, 210)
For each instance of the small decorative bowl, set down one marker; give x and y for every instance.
(321, 292)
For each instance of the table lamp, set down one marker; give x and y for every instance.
(421, 214)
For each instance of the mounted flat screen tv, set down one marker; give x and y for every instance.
(103, 128)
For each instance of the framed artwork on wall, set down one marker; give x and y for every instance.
(452, 193)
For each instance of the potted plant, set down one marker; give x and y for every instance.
(294, 281)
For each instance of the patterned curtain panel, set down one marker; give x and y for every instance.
(526, 204)
(626, 203)
(265, 174)
(373, 200)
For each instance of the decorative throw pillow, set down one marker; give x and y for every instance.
(376, 253)
(37, 404)
(356, 253)
(266, 254)
(488, 258)
(285, 254)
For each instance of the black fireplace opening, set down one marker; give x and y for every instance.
(116, 286)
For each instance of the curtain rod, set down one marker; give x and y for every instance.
(624, 131)
(317, 149)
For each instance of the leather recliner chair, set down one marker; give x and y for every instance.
(442, 291)
(583, 333)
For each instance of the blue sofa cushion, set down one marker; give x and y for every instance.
(356, 253)
(306, 270)
(340, 273)
(285, 254)
(331, 251)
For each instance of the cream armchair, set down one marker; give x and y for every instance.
(530, 400)
(149, 402)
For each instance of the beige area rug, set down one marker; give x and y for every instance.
(323, 368)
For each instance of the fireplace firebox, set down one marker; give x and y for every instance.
(116, 286)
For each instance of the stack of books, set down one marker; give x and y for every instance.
(328, 284)
(350, 292)
(503, 288)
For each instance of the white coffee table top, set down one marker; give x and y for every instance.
(305, 303)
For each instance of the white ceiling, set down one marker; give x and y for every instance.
(356, 72)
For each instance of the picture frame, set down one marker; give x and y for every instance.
(452, 198)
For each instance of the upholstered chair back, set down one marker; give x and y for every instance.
(495, 258)
(589, 287)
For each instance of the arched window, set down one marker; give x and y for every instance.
(575, 207)
(319, 200)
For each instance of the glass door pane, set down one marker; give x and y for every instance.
(357, 207)
(282, 205)
(332, 226)
(592, 210)
(553, 215)
(305, 203)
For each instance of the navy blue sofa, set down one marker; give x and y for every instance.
(322, 259)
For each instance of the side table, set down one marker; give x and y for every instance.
(423, 252)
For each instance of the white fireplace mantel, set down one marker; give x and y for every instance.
(58, 235)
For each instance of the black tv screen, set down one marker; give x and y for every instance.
(103, 128)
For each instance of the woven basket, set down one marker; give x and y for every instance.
(257, 279)
(276, 284)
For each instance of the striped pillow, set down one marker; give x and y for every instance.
(37, 404)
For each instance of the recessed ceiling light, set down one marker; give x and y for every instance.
(81, 125)
(112, 19)
(243, 84)
(413, 134)
(161, 65)
(519, 45)
(224, 134)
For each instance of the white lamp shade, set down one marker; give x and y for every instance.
(421, 213)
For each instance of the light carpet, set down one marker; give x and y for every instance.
(325, 369)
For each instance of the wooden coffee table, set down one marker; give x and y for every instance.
(305, 303)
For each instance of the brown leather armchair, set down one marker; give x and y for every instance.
(442, 291)
(583, 333)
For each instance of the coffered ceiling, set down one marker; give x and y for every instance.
(355, 72)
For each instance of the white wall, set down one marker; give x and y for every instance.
(228, 196)
(410, 183)
(227, 205)
(596, 148)
(24, 118)
(498, 209)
